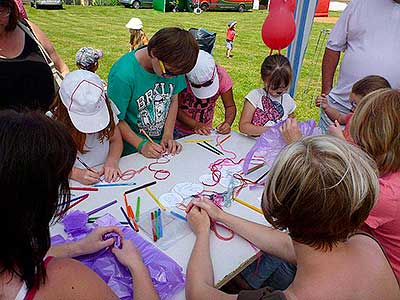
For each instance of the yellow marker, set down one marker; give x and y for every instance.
(155, 199)
(197, 141)
(248, 205)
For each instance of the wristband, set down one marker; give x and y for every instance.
(140, 146)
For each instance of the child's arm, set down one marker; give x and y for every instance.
(111, 168)
(335, 130)
(197, 127)
(85, 176)
(167, 141)
(245, 125)
(230, 112)
(331, 112)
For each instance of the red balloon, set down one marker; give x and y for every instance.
(278, 4)
(279, 28)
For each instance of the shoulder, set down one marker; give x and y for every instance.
(256, 93)
(62, 282)
(225, 81)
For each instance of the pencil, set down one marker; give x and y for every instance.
(146, 135)
(153, 227)
(262, 176)
(223, 140)
(140, 187)
(82, 188)
(155, 199)
(209, 149)
(175, 214)
(96, 210)
(255, 168)
(86, 166)
(208, 144)
(248, 205)
(137, 208)
(127, 219)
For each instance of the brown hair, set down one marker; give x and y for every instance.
(369, 84)
(14, 16)
(321, 189)
(276, 71)
(176, 47)
(60, 113)
(138, 38)
(375, 128)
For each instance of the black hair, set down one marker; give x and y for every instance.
(36, 157)
(14, 16)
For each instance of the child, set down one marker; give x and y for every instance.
(84, 109)
(360, 89)
(230, 36)
(138, 37)
(205, 84)
(145, 83)
(87, 58)
(375, 129)
(267, 106)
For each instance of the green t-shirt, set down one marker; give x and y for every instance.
(143, 98)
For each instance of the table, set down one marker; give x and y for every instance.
(228, 257)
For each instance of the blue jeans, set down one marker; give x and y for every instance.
(272, 271)
(324, 121)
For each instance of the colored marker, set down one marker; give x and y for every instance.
(127, 219)
(140, 187)
(113, 184)
(96, 210)
(175, 214)
(82, 188)
(211, 146)
(153, 227)
(155, 199)
(209, 149)
(160, 222)
(137, 208)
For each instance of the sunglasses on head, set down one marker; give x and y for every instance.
(164, 71)
(205, 84)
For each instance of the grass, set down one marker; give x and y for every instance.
(104, 28)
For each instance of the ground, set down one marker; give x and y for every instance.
(103, 27)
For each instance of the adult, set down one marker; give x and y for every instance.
(145, 83)
(36, 157)
(206, 83)
(320, 190)
(26, 80)
(367, 31)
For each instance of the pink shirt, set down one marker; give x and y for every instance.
(201, 110)
(346, 130)
(230, 34)
(383, 221)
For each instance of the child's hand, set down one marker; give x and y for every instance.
(152, 150)
(94, 242)
(290, 131)
(128, 255)
(224, 128)
(85, 176)
(171, 146)
(202, 129)
(111, 171)
(336, 130)
(322, 102)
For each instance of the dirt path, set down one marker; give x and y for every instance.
(330, 20)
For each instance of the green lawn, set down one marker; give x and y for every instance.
(103, 27)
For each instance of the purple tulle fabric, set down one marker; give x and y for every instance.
(270, 143)
(166, 274)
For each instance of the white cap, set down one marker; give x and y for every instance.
(134, 23)
(203, 78)
(82, 93)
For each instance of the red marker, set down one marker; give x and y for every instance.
(153, 227)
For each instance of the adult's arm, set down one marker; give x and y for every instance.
(329, 64)
(48, 46)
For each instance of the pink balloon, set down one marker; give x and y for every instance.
(279, 27)
(278, 4)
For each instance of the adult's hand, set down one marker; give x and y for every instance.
(290, 131)
(128, 255)
(199, 221)
(322, 101)
(94, 241)
(212, 210)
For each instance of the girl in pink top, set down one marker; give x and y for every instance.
(375, 128)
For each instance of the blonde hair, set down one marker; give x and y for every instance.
(321, 189)
(375, 128)
(138, 38)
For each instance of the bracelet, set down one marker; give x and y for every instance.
(140, 146)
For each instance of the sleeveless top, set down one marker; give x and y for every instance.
(267, 293)
(24, 293)
(26, 81)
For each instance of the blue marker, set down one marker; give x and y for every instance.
(113, 184)
(160, 222)
(178, 216)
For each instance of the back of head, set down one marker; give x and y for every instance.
(375, 128)
(36, 157)
(175, 47)
(321, 189)
(276, 70)
(369, 84)
(14, 13)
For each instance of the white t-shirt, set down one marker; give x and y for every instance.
(97, 151)
(369, 33)
(270, 110)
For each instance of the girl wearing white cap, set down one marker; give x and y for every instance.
(83, 107)
(138, 36)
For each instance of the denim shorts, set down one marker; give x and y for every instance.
(269, 271)
(229, 44)
(324, 121)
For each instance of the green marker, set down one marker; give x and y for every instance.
(137, 209)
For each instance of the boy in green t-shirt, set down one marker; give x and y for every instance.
(144, 84)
